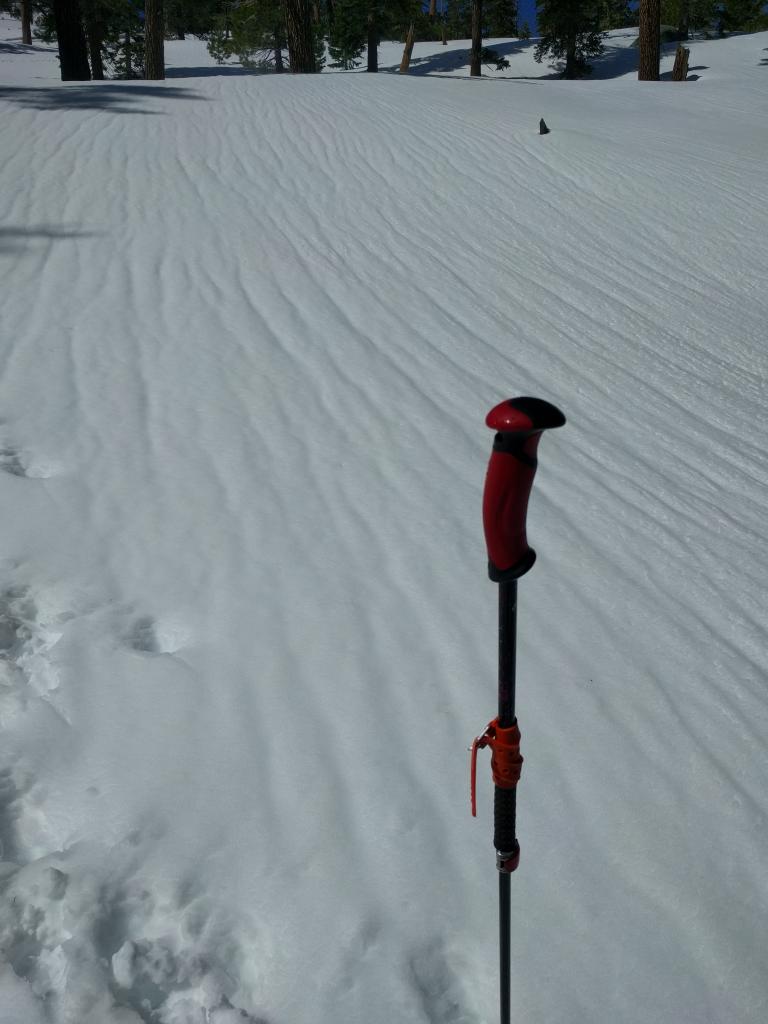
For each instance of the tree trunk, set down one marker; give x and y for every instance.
(373, 41)
(432, 9)
(279, 46)
(570, 58)
(680, 70)
(298, 26)
(154, 31)
(410, 39)
(94, 31)
(73, 52)
(476, 60)
(26, 22)
(683, 22)
(650, 40)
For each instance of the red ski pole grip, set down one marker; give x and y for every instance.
(519, 423)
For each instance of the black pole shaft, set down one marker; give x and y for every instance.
(505, 944)
(507, 652)
(506, 799)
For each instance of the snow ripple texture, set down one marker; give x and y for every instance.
(251, 328)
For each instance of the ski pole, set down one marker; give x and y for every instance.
(519, 423)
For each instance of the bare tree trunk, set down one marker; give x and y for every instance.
(683, 22)
(298, 25)
(94, 31)
(26, 22)
(279, 45)
(373, 41)
(154, 31)
(570, 58)
(476, 60)
(73, 52)
(680, 70)
(410, 39)
(432, 9)
(650, 40)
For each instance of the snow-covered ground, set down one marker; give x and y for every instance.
(251, 326)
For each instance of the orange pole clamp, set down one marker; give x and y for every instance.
(506, 759)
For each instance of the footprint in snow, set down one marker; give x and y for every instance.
(436, 984)
(16, 462)
(148, 636)
(10, 462)
(25, 642)
(141, 636)
(10, 625)
(9, 794)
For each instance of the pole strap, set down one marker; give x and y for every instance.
(506, 759)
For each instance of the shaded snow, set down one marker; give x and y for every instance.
(251, 329)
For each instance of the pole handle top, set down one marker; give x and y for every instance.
(519, 424)
(524, 416)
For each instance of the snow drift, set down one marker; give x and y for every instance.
(251, 326)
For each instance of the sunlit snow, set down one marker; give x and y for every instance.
(251, 327)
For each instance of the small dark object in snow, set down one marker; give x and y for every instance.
(543, 130)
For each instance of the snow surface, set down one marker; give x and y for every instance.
(251, 326)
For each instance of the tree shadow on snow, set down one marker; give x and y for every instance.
(228, 70)
(12, 239)
(616, 62)
(11, 46)
(454, 60)
(666, 76)
(117, 97)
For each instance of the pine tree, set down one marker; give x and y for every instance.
(500, 18)
(615, 14)
(95, 24)
(372, 37)
(252, 31)
(742, 16)
(25, 12)
(154, 34)
(73, 52)
(356, 25)
(123, 43)
(193, 16)
(388, 19)
(476, 53)
(458, 18)
(650, 40)
(114, 35)
(255, 31)
(689, 15)
(683, 18)
(300, 36)
(348, 33)
(570, 31)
